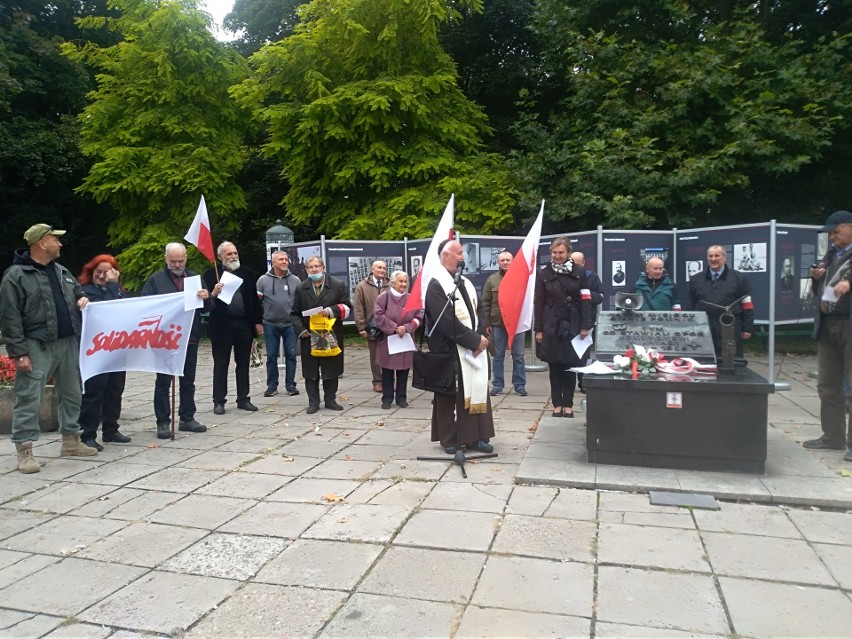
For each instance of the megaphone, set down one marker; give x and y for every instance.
(628, 301)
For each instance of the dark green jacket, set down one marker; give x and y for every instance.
(663, 297)
(491, 299)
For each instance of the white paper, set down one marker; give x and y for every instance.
(230, 284)
(191, 286)
(312, 311)
(400, 343)
(581, 344)
(477, 362)
(595, 368)
(828, 295)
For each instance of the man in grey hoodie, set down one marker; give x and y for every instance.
(275, 290)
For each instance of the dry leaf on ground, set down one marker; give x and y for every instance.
(332, 498)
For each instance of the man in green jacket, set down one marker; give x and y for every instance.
(496, 330)
(40, 304)
(657, 288)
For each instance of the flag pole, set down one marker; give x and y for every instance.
(174, 379)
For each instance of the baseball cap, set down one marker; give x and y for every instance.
(838, 217)
(38, 231)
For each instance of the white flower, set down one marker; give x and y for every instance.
(640, 351)
(621, 361)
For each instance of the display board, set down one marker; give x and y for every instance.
(416, 251)
(298, 253)
(480, 255)
(796, 249)
(671, 333)
(350, 261)
(624, 255)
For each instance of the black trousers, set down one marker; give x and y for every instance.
(237, 338)
(162, 390)
(562, 384)
(388, 385)
(101, 404)
(329, 388)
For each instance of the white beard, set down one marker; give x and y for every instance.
(233, 265)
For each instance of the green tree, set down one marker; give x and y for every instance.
(680, 112)
(259, 22)
(366, 118)
(161, 127)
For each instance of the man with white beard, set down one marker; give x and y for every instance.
(233, 327)
(170, 280)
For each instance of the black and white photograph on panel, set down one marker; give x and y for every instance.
(788, 274)
(360, 267)
(750, 258)
(618, 276)
(488, 257)
(694, 268)
(416, 265)
(806, 294)
(471, 257)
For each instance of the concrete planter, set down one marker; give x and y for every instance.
(48, 413)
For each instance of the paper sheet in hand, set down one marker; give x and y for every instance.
(478, 361)
(595, 368)
(230, 284)
(191, 286)
(581, 345)
(312, 311)
(828, 295)
(400, 343)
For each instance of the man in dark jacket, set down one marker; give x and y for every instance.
(657, 288)
(276, 290)
(366, 293)
(232, 328)
(496, 330)
(170, 279)
(721, 286)
(328, 293)
(40, 304)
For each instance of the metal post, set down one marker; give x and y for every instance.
(772, 241)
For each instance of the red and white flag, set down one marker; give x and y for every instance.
(199, 232)
(135, 334)
(417, 299)
(518, 285)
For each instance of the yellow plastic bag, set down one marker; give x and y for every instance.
(323, 339)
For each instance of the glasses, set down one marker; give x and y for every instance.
(47, 232)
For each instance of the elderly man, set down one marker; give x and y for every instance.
(831, 287)
(497, 331)
(276, 290)
(170, 279)
(788, 280)
(40, 304)
(721, 286)
(365, 302)
(656, 287)
(463, 419)
(328, 293)
(232, 328)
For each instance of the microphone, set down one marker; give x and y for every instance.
(459, 270)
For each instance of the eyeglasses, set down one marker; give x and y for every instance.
(47, 232)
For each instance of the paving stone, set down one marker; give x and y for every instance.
(380, 616)
(275, 519)
(604, 630)
(765, 558)
(80, 631)
(436, 575)
(256, 445)
(371, 488)
(838, 560)
(177, 480)
(531, 500)
(64, 467)
(468, 497)
(105, 504)
(25, 565)
(161, 602)
(359, 453)
(747, 519)
(281, 464)
(312, 490)
(410, 469)
(74, 584)
(145, 503)
(30, 626)
(449, 529)
(573, 503)
(162, 457)
(339, 469)
(493, 623)
(537, 585)
(260, 610)
(63, 498)
(202, 511)
(314, 563)
(9, 557)
(409, 494)
(15, 485)
(227, 556)
(63, 536)
(485, 473)
(194, 441)
(218, 460)
(308, 447)
(763, 609)
(651, 546)
(822, 527)
(550, 538)
(142, 544)
(116, 473)
(361, 522)
(13, 522)
(383, 437)
(810, 491)
(556, 472)
(659, 599)
(246, 485)
(630, 478)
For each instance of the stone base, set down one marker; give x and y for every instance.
(48, 413)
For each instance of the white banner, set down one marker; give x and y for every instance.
(135, 334)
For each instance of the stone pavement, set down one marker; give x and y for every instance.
(280, 524)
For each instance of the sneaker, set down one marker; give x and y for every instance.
(496, 391)
(821, 444)
(91, 442)
(192, 426)
(271, 392)
(164, 430)
(520, 390)
(293, 391)
(117, 438)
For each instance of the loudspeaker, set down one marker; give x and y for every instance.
(628, 301)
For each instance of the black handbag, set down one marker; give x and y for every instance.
(373, 331)
(434, 372)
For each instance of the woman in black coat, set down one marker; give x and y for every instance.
(563, 309)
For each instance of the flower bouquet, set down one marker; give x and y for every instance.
(638, 360)
(7, 371)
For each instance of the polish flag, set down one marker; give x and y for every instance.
(518, 285)
(417, 298)
(199, 232)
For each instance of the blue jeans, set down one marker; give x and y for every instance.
(500, 338)
(272, 336)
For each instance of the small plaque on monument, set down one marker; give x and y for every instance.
(671, 333)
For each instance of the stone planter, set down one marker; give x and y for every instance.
(48, 413)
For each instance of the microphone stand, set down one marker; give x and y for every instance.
(459, 457)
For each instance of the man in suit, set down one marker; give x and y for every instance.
(232, 328)
(328, 293)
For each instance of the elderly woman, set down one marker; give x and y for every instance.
(102, 393)
(563, 309)
(389, 317)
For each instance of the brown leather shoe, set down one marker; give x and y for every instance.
(377, 388)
